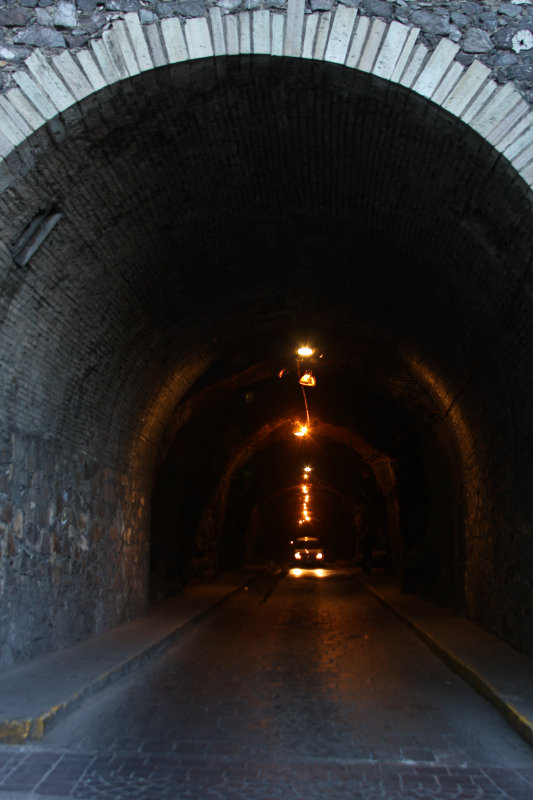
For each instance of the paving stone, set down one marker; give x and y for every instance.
(283, 711)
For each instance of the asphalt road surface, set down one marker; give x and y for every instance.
(301, 685)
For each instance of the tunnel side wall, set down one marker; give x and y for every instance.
(74, 552)
(47, 556)
(498, 509)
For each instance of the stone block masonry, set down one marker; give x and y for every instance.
(72, 536)
(499, 35)
(389, 50)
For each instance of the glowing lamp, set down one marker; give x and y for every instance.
(319, 555)
(305, 351)
(308, 379)
(302, 430)
(297, 556)
(307, 469)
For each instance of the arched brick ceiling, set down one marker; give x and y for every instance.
(222, 208)
(216, 211)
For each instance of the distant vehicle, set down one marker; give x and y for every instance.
(307, 550)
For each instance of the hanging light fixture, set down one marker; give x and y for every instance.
(305, 351)
(308, 379)
(302, 430)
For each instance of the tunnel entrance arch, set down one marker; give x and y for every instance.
(144, 284)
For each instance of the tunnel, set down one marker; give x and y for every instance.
(213, 217)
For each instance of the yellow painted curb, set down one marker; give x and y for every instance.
(14, 731)
(522, 725)
(18, 731)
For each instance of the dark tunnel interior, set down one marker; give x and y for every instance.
(217, 216)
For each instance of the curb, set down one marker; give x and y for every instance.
(522, 725)
(21, 731)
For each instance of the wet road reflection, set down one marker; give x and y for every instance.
(304, 664)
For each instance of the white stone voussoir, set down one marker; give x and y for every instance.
(322, 36)
(340, 35)
(217, 31)
(91, 70)
(436, 68)
(174, 40)
(261, 32)
(14, 116)
(72, 75)
(138, 42)
(155, 42)
(391, 51)
(49, 84)
(198, 38)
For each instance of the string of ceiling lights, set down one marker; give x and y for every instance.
(306, 379)
(306, 498)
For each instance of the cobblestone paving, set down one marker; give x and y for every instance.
(54, 774)
(298, 688)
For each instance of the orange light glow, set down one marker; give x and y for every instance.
(296, 572)
(307, 469)
(302, 430)
(319, 555)
(305, 351)
(304, 489)
(308, 379)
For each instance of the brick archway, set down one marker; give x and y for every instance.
(48, 86)
(103, 338)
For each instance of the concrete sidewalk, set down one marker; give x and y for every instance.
(491, 667)
(36, 693)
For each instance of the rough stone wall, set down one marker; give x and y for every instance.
(73, 536)
(498, 34)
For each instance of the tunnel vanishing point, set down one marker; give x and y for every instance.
(189, 192)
